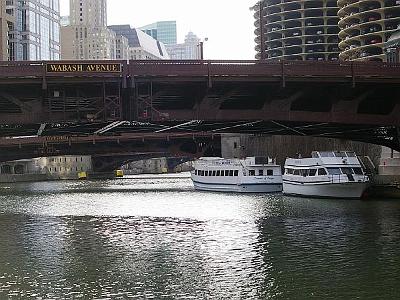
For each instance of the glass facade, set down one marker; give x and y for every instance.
(37, 30)
(164, 31)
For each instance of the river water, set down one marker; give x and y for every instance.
(157, 238)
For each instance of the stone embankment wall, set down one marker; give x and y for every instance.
(154, 166)
(281, 147)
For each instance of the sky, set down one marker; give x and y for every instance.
(228, 24)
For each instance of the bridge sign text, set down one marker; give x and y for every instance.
(84, 68)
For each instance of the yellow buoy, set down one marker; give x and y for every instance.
(82, 175)
(119, 173)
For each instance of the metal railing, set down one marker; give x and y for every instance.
(215, 68)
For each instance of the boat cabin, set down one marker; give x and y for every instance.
(325, 163)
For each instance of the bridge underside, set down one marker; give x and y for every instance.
(163, 100)
(334, 102)
(347, 101)
(160, 137)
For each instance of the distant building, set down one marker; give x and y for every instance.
(87, 36)
(190, 49)
(297, 30)
(44, 168)
(365, 27)
(121, 47)
(141, 45)
(81, 42)
(7, 23)
(163, 31)
(392, 47)
(36, 33)
(64, 167)
(92, 13)
(65, 21)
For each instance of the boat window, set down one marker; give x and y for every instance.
(222, 173)
(218, 173)
(304, 172)
(326, 154)
(289, 171)
(321, 172)
(195, 172)
(314, 154)
(270, 172)
(340, 154)
(231, 173)
(214, 173)
(252, 172)
(206, 173)
(334, 171)
(296, 172)
(358, 171)
(351, 154)
(347, 171)
(260, 160)
(312, 172)
(226, 173)
(236, 173)
(260, 172)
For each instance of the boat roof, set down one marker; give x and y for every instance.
(329, 159)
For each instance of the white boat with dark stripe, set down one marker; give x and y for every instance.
(328, 174)
(249, 175)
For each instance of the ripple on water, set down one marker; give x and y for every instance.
(126, 239)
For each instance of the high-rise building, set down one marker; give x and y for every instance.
(141, 45)
(392, 47)
(7, 21)
(87, 37)
(36, 34)
(65, 21)
(297, 30)
(365, 27)
(190, 49)
(163, 31)
(88, 12)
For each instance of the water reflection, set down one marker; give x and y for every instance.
(120, 239)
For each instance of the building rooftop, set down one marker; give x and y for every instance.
(138, 38)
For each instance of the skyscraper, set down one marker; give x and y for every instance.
(163, 31)
(141, 45)
(365, 27)
(392, 47)
(87, 36)
(88, 12)
(36, 34)
(297, 30)
(7, 21)
(190, 49)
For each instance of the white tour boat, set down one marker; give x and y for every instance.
(249, 175)
(327, 174)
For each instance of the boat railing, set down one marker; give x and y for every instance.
(337, 178)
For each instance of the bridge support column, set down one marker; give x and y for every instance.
(143, 101)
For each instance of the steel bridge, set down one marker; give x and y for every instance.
(167, 99)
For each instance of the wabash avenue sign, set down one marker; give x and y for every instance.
(84, 68)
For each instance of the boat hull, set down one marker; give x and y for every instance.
(351, 190)
(239, 188)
